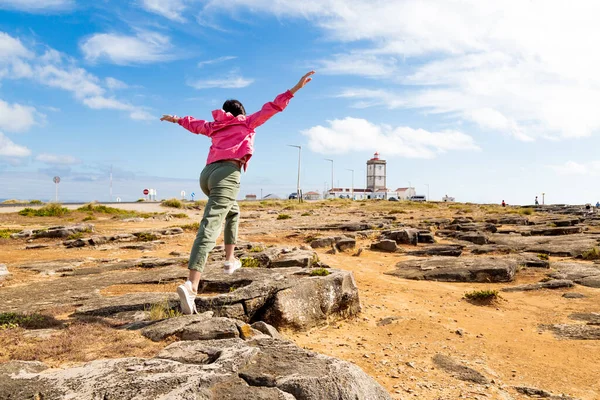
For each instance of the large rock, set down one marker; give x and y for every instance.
(452, 250)
(552, 284)
(457, 269)
(259, 369)
(473, 237)
(402, 236)
(281, 258)
(574, 331)
(560, 246)
(54, 231)
(557, 231)
(585, 274)
(385, 245)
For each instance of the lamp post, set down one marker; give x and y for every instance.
(543, 198)
(329, 159)
(427, 184)
(298, 183)
(352, 192)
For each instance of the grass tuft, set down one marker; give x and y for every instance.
(173, 203)
(11, 320)
(146, 236)
(193, 227)
(249, 262)
(543, 256)
(591, 254)
(49, 210)
(320, 272)
(284, 216)
(5, 233)
(162, 310)
(487, 295)
(257, 249)
(179, 215)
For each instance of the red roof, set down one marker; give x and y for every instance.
(402, 189)
(317, 193)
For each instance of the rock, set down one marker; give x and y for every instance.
(133, 220)
(539, 393)
(4, 274)
(574, 331)
(296, 258)
(62, 231)
(261, 369)
(451, 250)
(472, 227)
(560, 246)
(52, 267)
(550, 231)
(458, 370)
(267, 329)
(473, 237)
(582, 273)
(332, 250)
(489, 248)
(574, 295)
(23, 234)
(173, 326)
(425, 237)
(385, 245)
(461, 269)
(358, 252)
(322, 242)
(403, 236)
(139, 246)
(36, 246)
(590, 318)
(387, 321)
(534, 261)
(553, 284)
(509, 220)
(345, 244)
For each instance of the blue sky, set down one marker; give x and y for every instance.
(480, 100)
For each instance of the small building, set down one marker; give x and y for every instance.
(349, 193)
(405, 193)
(312, 196)
(447, 199)
(251, 197)
(271, 196)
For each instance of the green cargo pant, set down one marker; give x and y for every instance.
(220, 181)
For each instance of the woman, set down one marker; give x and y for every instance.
(232, 135)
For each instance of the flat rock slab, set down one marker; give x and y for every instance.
(540, 393)
(557, 231)
(553, 284)
(388, 245)
(259, 369)
(561, 246)
(585, 274)
(458, 269)
(590, 318)
(459, 371)
(574, 331)
(450, 250)
(54, 231)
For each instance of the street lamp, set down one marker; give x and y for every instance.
(329, 159)
(427, 184)
(352, 182)
(543, 198)
(299, 157)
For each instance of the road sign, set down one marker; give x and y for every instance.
(146, 191)
(193, 194)
(56, 179)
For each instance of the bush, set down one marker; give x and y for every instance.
(13, 201)
(249, 262)
(5, 233)
(173, 203)
(591, 254)
(482, 295)
(284, 216)
(320, 272)
(49, 210)
(397, 212)
(36, 202)
(191, 227)
(140, 200)
(179, 215)
(526, 211)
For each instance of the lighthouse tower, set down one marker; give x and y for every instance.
(376, 173)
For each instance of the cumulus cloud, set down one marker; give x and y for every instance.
(37, 6)
(54, 69)
(522, 68)
(55, 159)
(11, 150)
(16, 117)
(170, 9)
(143, 47)
(353, 134)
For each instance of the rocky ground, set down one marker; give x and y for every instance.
(337, 300)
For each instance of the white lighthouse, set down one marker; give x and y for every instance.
(376, 174)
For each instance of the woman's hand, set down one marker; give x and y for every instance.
(302, 82)
(171, 118)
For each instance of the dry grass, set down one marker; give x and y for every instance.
(79, 342)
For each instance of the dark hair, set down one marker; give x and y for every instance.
(234, 107)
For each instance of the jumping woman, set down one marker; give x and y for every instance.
(232, 136)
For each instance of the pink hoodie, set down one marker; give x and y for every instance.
(233, 137)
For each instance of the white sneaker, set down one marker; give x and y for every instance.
(187, 298)
(229, 267)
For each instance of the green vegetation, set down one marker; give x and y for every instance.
(392, 212)
(102, 209)
(179, 215)
(257, 249)
(482, 295)
(146, 236)
(75, 236)
(49, 210)
(249, 262)
(27, 321)
(36, 202)
(162, 310)
(543, 256)
(526, 211)
(140, 200)
(284, 216)
(173, 203)
(591, 254)
(193, 227)
(320, 272)
(306, 214)
(5, 233)
(89, 218)
(13, 201)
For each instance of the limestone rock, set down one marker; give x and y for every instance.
(385, 245)
(458, 370)
(553, 284)
(452, 250)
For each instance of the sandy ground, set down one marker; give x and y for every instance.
(501, 340)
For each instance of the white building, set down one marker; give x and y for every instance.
(405, 193)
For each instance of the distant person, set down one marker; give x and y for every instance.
(537, 203)
(232, 135)
(503, 203)
(598, 204)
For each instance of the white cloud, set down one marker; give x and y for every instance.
(11, 150)
(35, 6)
(352, 134)
(171, 9)
(232, 81)
(115, 84)
(56, 70)
(591, 168)
(56, 159)
(16, 117)
(528, 69)
(216, 61)
(144, 47)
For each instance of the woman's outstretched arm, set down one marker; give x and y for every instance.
(198, 126)
(279, 104)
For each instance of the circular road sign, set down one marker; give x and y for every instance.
(56, 179)
(146, 191)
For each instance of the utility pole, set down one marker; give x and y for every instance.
(111, 197)
(298, 183)
(352, 182)
(427, 184)
(329, 159)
